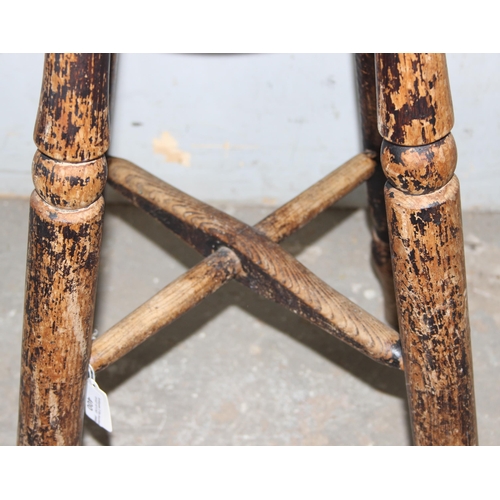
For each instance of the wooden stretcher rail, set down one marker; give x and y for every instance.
(265, 267)
(164, 307)
(303, 208)
(210, 274)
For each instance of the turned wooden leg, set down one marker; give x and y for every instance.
(67, 207)
(380, 250)
(423, 209)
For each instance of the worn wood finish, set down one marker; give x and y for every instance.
(423, 210)
(165, 307)
(297, 212)
(428, 254)
(314, 200)
(73, 122)
(185, 292)
(420, 169)
(266, 267)
(69, 185)
(414, 105)
(67, 208)
(418, 155)
(380, 249)
(63, 254)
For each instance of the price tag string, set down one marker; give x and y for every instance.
(96, 403)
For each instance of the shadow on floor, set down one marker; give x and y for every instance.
(379, 377)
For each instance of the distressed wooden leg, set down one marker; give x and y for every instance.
(423, 209)
(69, 173)
(380, 251)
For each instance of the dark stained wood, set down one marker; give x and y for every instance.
(382, 266)
(73, 122)
(63, 255)
(67, 208)
(372, 140)
(420, 169)
(429, 267)
(165, 307)
(69, 185)
(423, 225)
(367, 100)
(266, 267)
(423, 210)
(185, 292)
(414, 102)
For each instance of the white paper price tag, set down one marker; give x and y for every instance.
(96, 403)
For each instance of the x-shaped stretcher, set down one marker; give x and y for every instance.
(251, 255)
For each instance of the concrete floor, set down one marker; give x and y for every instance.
(239, 370)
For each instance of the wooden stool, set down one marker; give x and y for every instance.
(417, 232)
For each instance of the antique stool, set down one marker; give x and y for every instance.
(417, 235)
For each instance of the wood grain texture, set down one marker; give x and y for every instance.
(63, 255)
(187, 291)
(166, 306)
(372, 140)
(414, 105)
(423, 211)
(266, 267)
(72, 123)
(67, 209)
(429, 269)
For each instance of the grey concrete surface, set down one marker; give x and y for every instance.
(239, 370)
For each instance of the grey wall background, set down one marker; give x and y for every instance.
(250, 129)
